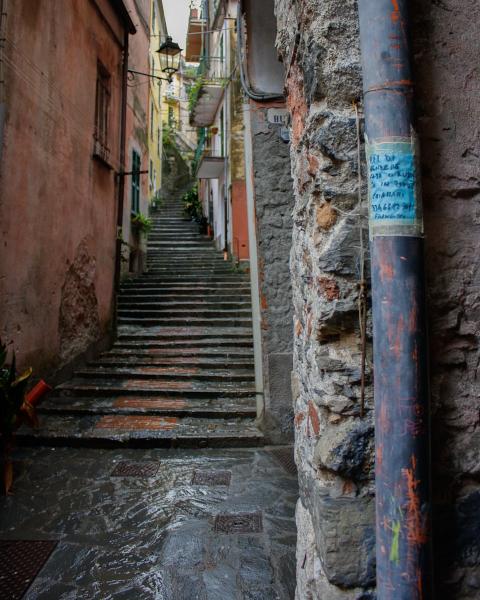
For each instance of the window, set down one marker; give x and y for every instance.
(158, 141)
(222, 134)
(154, 16)
(102, 106)
(151, 119)
(151, 174)
(136, 163)
(171, 117)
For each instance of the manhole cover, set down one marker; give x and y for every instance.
(286, 458)
(211, 478)
(239, 523)
(134, 469)
(20, 563)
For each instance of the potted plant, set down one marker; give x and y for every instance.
(141, 224)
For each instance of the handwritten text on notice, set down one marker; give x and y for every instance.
(392, 186)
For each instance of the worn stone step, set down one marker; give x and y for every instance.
(140, 431)
(137, 350)
(201, 312)
(177, 372)
(179, 360)
(174, 321)
(164, 349)
(146, 303)
(137, 405)
(146, 387)
(196, 347)
(166, 298)
(185, 262)
(185, 333)
(180, 288)
(193, 279)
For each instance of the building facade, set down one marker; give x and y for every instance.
(243, 167)
(158, 34)
(62, 94)
(137, 156)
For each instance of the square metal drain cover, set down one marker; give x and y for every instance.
(20, 562)
(211, 478)
(239, 523)
(136, 469)
(285, 456)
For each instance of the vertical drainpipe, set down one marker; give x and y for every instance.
(254, 278)
(3, 35)
(120, 174)
(402, 428)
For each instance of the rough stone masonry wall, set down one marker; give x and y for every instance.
(318, 41)
(273, 211)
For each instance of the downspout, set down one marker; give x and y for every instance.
(120, 174)
(257, 96)
(3, 36)
(402, 427)
(254, 280)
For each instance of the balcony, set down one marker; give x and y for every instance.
(205, 106)
(196, 26)
(211, 167)
(208, 165)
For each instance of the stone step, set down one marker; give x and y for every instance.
(200, 362)
(181, 322)
(190, 298)
(138, 351)
(224, 408)
(197, 287)
(192, 279)
(197, 273)
(177, 372)
(143, 312)
(184, 333)
(140, 431)
(149, 303)
(154, 388)
(196, 346)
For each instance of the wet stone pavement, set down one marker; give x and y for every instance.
(211, 524)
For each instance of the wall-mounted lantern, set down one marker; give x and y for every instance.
(170, 53)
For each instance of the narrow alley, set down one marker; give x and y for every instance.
(145, 523)
(239, 300)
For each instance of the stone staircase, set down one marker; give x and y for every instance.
(181, 371)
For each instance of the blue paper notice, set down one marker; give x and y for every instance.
(392, 185)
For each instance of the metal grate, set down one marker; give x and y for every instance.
(239, 523)
(211, 478)
(136, 469)
(20, 562)
(285, 456)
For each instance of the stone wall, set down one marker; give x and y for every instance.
(273, 210)
(447, 74)
(318, 42)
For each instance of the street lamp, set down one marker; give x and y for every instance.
(169, 61)
(169, 57)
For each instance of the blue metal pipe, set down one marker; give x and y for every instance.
(402, 427)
